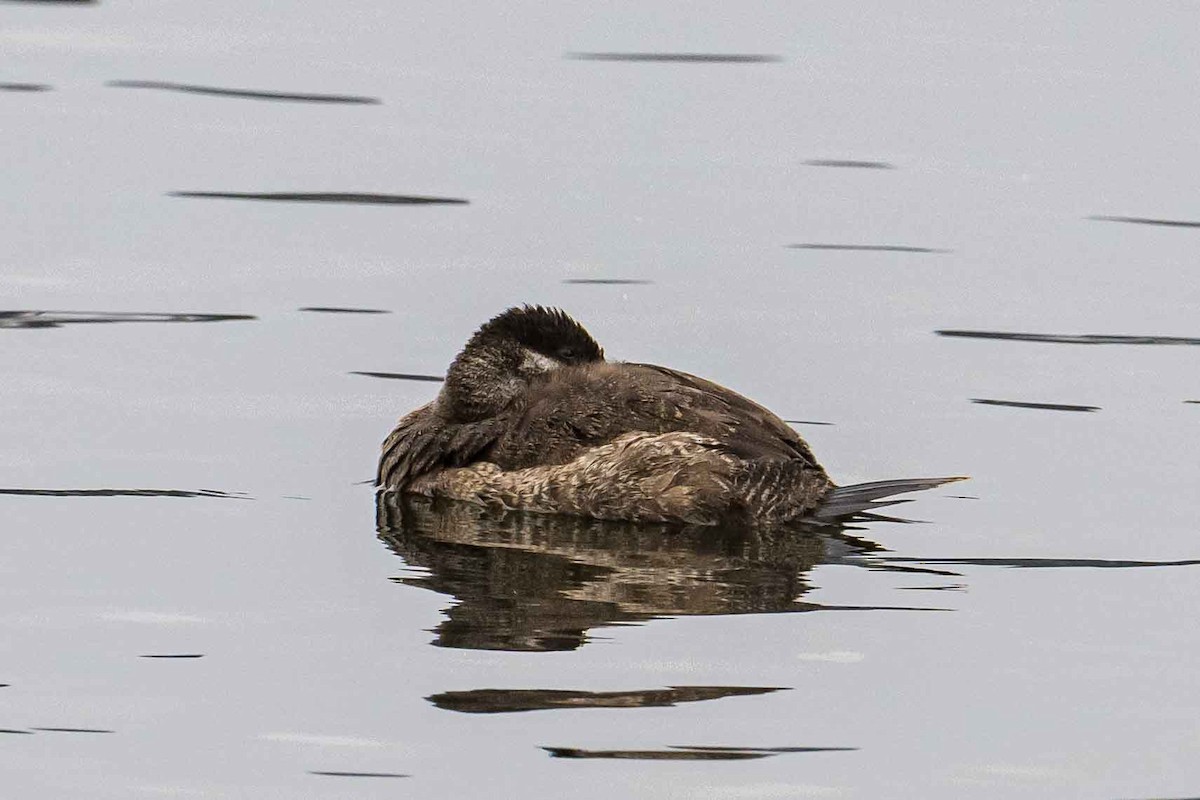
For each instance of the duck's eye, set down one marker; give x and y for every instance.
(567, 353)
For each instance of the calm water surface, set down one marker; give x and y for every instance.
(240, 241)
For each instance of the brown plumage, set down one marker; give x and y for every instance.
(532, 417)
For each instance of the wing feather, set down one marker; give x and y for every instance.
(581, 407)
(754, 431)
(422, 441)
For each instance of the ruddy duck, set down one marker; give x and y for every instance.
(531, 417)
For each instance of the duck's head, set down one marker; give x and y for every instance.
(507, 354)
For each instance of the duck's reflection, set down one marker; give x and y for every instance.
(538, 582)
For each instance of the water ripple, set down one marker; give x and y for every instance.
(1170, 223)
(125, 493)
(57, 319)
(338, 774)
(1056, 338)
(870, 248)
(361, 198)
(24, 87)
(248, 94)
(690, 753)
(1044, 406)
(495, 701)
(847, 163)
(400, 376)
(607, 281)
(679, 58)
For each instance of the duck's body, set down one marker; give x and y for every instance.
(532, 417)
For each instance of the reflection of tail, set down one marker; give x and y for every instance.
(846, 501)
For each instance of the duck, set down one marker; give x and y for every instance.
(532, 417)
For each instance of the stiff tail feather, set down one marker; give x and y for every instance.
(846, 501)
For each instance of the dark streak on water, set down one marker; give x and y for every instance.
(57, 319)
(172, 655)
(1091, 338)
(766, 749)
(953, 587)
(1044, 406)
(1192, 401)
(1050, 563)
(656, 755)
(125, 493)
(681, 753)
(891, 566)
(336, 310)
(74, 730)
(1169, 223)
(362, 198)
(679, 58)
(13, 730)
(849, 163)
(246, 93)
(335, 774)
(400, 376)
(24, 87)
(806, 422)
(494, 701)
(607, 281)
(825, 607)
(872, 248)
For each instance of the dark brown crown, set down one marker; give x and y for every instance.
(549, 331)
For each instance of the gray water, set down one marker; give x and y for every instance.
(197, 585)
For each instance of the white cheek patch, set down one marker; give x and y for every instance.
(536, 362)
